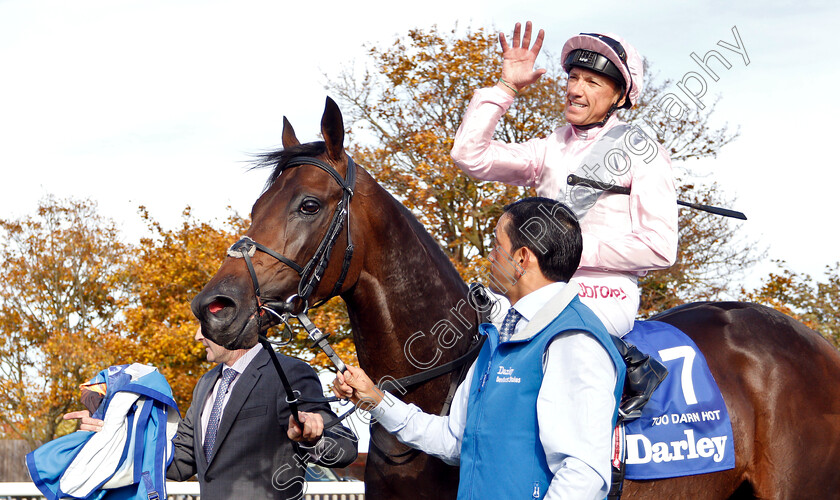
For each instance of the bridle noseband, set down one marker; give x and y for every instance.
(312, 273)
(310, 277)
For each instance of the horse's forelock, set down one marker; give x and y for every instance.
(280, 158)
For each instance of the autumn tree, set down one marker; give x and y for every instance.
(410, 104)
(815, 303)
(404, 109)
(170, 266)
(64, 280)
(76, 299)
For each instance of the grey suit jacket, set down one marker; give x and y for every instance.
(253, 457)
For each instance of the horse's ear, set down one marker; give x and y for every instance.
(332, 128)
(289, 137)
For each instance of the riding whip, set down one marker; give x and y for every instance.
(574, 180)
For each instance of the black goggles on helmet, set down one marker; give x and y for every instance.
(593, 61)
(613, 44)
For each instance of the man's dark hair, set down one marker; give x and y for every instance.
(550, 230)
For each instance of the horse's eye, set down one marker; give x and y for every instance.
(310, 207)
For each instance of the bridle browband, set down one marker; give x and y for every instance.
(311, 275)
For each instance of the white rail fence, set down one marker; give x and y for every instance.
(321, 490)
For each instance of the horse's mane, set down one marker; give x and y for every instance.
(280, 158)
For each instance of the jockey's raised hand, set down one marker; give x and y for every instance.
(518, 60)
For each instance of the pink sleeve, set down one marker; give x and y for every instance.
(652, 242)
(478, 155)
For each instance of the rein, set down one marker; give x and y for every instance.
(311, 275)
(405, 383)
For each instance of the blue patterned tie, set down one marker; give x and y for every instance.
(509, 324)
(228, 375)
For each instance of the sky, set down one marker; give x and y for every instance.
(164, 103)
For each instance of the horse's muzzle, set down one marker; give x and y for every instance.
(225, 320)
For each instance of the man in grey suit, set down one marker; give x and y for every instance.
(238, 436)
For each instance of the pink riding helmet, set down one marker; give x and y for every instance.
(622, 63)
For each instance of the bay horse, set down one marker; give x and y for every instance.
(409, 310)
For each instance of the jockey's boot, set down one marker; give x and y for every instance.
(644, 374)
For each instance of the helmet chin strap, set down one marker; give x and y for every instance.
(600, 123)
(608, 115)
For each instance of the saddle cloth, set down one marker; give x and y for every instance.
(684, 429)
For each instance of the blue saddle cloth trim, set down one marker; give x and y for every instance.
(685, 427)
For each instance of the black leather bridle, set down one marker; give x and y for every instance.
(310, 277)
(313, 271)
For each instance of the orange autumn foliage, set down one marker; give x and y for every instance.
(815, 303)
(64, 281)
(405, 109)
(169, 268)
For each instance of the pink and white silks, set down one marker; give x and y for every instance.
(623, 236)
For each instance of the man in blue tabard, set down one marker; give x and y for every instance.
(535, 415)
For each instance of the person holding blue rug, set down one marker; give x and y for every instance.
(239, 438)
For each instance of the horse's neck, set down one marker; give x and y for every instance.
(407, 286)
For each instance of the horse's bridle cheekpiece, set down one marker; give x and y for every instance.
(312, 273)
(310, 277)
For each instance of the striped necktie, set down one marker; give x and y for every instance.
(228, 375)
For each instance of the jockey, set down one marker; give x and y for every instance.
(624, 237)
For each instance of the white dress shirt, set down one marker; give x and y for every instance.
(575, 399)
(238, 366)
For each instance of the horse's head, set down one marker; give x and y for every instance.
(301, 217)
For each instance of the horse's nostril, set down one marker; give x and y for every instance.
(219, 304)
